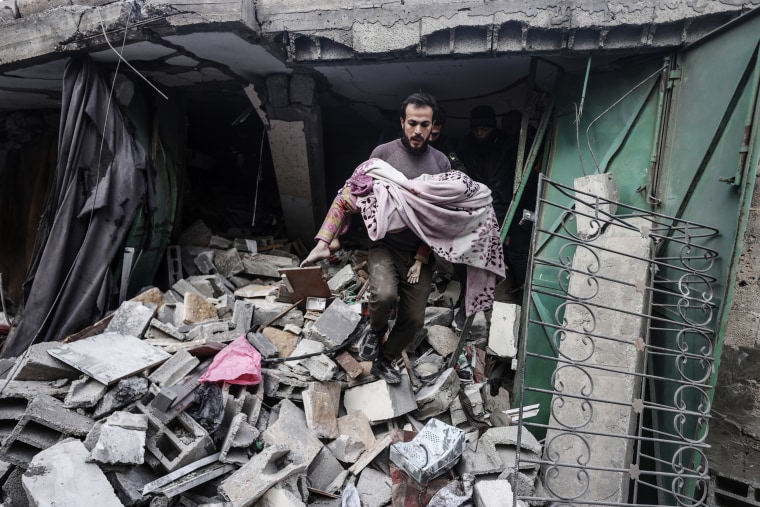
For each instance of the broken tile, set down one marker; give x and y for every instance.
(109, 357)
(131, 318)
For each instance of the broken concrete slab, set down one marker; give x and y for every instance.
(323, 471)
(131, 318)
(343, 278)
(121, 394)
(242, 315)
(335, 325)
(229, 262)
(179, 364)
(381, 401)
(239, 438)
(85, 392)
(357, 425)
(30, 388)
(265, 311)
(496, 493)
(279, 497)
(161, 330)
(347, 448)
(589, 220)
(260, 342)
(436, 398)
(118, 440)
(374, 488)
(109, 357)
(321, 401)
(37, 364)
(60, 475)
(505, 329)
(289, 425)
(255, 291)
(271, 466)
(266, 265)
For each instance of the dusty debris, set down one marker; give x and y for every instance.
(307, 423)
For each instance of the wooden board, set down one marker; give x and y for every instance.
(305, 282)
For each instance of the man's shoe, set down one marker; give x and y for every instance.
(386, 370)
(369, 344)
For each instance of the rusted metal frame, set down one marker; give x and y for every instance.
(660, 123)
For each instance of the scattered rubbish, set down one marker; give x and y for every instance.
(431, 453)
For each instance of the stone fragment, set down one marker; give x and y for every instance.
(152, 297)
(118, 440)
(242, 315)
(374, 488)
(266, 265)
(442, 339)
(324, 470)
(342, 279)
(197, 309)
(346, 448)
(438, 316)
(285, 342)
(260, 342)
(265, 311)
(180, 364)
(356, 425)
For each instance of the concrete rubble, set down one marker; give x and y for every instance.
(120, 414)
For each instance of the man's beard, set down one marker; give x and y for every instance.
(421, 149)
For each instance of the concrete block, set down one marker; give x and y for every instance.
(266, 265)
(179, 365)
(321, 401)
(44, 422)
(265, 311)
(122, 394)
(159, 330)
(291, 328)
(13, 490)
(342, 279)
(197, 309)
(212, 331)
(260, 342)
(381, 401)
(357, 426)
(228, 262)
(335, 325)
(279, 497)
(473, 395)
(183, 287)
(61, 475)
(84, 393)
(443, 339)
(324, 470)
(374, 488)
(171, 446)
(264, 470)
(197, 234)
(31, 388)
(118, 440)
(302, 87)
(129, 483)
(38, 364)
(204, 261)
(131, 318)
(290, 426)
(590, 217)
(255, 290)
(242, 315)
(438, 316)
(240, 436)
(435, 399)
(505, 330)
(321, 367)
(347, 448)
(496, 493)
(204, 286)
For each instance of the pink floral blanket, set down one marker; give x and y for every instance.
(449, 211)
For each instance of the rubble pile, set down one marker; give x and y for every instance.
(240, 386)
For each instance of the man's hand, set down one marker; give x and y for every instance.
(413, 276)
(319, 252)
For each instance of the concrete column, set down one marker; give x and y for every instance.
(288, 107)
(590, 399)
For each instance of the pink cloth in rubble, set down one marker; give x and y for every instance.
(448, 211)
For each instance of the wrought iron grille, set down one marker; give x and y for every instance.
(617, 349)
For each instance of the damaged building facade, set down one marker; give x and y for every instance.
(193, 149)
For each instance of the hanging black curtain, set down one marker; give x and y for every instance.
(101, 181)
